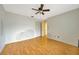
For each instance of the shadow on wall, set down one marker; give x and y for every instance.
(27, 34)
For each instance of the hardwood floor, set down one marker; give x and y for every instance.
(40, 46)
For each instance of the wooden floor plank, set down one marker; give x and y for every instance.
(37, 46)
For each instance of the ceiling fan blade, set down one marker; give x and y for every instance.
(34, 9)
(42, 13)
(42, 6)
(37, 13)
(46, 10)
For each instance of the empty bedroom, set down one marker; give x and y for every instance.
(39, 29)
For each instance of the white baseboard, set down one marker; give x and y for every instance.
(68, 40)
(2, 48)
(12, 41)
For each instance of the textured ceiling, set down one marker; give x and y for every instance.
(26, 9)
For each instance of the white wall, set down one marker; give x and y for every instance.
(2, 36)
(65, 27)
(19, 27)
(15, 27)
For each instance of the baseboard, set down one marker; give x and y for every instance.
(13, 41)
(2, 48)
(73, 42)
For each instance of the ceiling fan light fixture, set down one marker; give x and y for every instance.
(41, 10)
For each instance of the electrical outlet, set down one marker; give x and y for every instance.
(58, 36)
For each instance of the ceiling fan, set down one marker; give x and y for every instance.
(41, 10)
